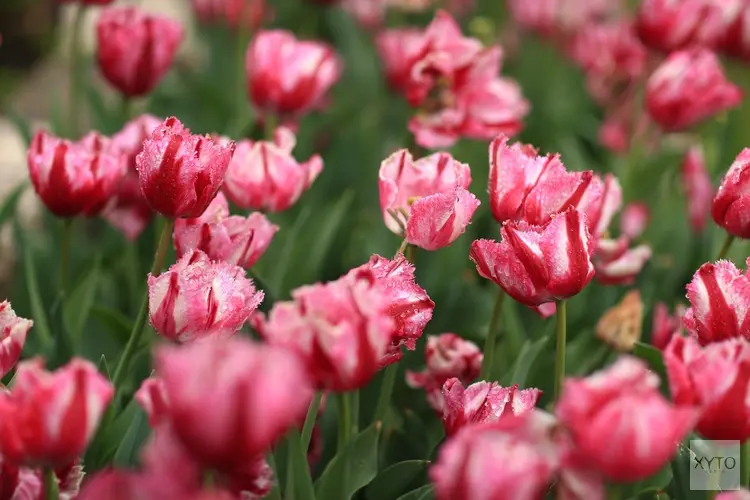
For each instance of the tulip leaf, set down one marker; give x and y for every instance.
(10, 204)
(679, 487)
(127, 452)
(359, 459)
(298, 477)
(653, 357)
(325, 234)
(526, 358)
(285, 256)
(395, 479)
(104, 120)
(421, 493)
(103, 367)
(41, 323)
(657, 482)
(21, 125)
(79, 302)
(114, 321)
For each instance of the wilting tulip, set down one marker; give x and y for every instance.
(399, 51)
(719, 296)
(687, 88)
(244, 14)
(446, 356)
(231, 399)
(402, 181)
(342, 329)
(13, 330)
(621, 423)
(439, 219)
(408, 303)
(234, 239)
(198, 298)
(74, 178)
(699, 189)
(483, 402)
(732, 201)
(715, 379)
(135, 49)
(288, 77)
(667, 26)
(617, 264)
(48, 419)
(634, 219)
(665, 326)
(264, 175)
(180, 173)
(538, 264)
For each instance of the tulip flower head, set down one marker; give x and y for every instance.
(13, 330)
(699, 189)
(731, 202)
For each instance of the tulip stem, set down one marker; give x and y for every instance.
(560, 355)
(50, 485)
(312, 415)
(490, 344)
(745, 464)
(345, 420)
(125, 106)
(269, 126)
(75, 70)
(725, 247)
(403, 247)
(386, 391)
(65, 254)
(140, 322)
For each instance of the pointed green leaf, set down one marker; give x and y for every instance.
(526, 358)
(103, 118)
(421, 493)
(115, 322)
(79, 303)
(286, 253)
(653, 357)
(41, 324)
(360, 457)
(127, 452)
(21, 125)
(10, 204)
(104, 368)
(299, 479)
(324, 237)
(395, 479)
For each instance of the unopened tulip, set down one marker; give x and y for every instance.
(483, 402)
(231, 399)
(245, 14)
(408, 303)
(399, 50)
(439, 219)
(179, 172)
(135, 49)
(74, 178)
(153, 400)
(48, 419)
(665, 326)
(634, 219)
(687, 88)
(286, 76)
(13, 330)
(342, 329)
(719, 296)
(714, 378)
(618, 264)
(446, 356)
(732, 200)
(699, 189)
(197, 298)
(538, 264)
(234, 239)
(264, 175)
(621, 423)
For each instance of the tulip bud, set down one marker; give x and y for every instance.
(286, 76)
(664, 326)
(687, 88)
(538, 264)
(617, 264)
(180, 173)
(265, 176)
(730, 205)
(621, 423)
(699, 189)
(198, 298)
(634, 219)
(233, 239)
(48, 419)
(74, 178)
(439, 219)
(13, 330)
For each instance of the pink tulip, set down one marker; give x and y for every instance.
(687, 88)
(558, 16)
(719, 296)
(538, 264)
(153, 400)
(244, 14)
(617, 264)
(88, 2)
(74, 178)
(736, 39)
(731, 202)
(634, 219)
(135, 49)
(699, 189)
(614, 134)
(129, 140)
(48, 419)
(265, 176)
(399, 50)
(665, 326)
(621, 423)
(734, 495)
(437, 220)
(180, 173)
(127, 485)
(13, 330)
(601, 200)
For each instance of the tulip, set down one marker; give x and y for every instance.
(665, 326)
(180, 173)
(135, 49)
(538, 264)
(437, 220)
(446, 356)
(734, 495)
(614, 134)
(699, 189)
(13, 330)
(600, 202)
(233, 239)
(731, 201)
(735, 41)
(129, 140)
(634, 219)
(483, 402)
(558, 16)
(288, 77)
(265, 176)
(719, 296)
(127, 485)
(231, 399)
(617, 264)
(715, 379)
(74, 178)
(153, 400)
(621, 423)
(399, 51)
(609, 51)
(342, 329)
(244, 14)
(198, 298)
(88, 2)
(687, 88)
(21, 483)
(48, 419)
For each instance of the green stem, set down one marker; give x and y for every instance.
(614, 492)
(125, 108)
(560, 357)
(403, 248)
(745, 464)
(75, 70)
(354, 404)
(725, 247)
(269, 126)
(140, 322)
(208, 479)
(312, 415)
(65, 254)
(491, 342)
(386, 391)
(345, 420)
(50, 485)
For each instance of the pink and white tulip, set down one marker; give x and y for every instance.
(699, 190)
(13, 330)
(732, 201)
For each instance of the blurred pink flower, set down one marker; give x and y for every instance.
(699, 189)
(730, 206)
(13, 330)
(665, 326)
(551, 17)
(245, 14)
(617, 264)
(634, 219)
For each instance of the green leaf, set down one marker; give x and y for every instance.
(116, 322)
(395, 479)
(325, 235)
(79, 303)
(529, 353)
(104, 368)
(21, 125)
(9, 206)
(127, 452)
(653, 357)
(300, 470)
(286, 253)
(650, 485)
(360, 457)
(102, 117)
(41, 323)
(421, 493)
(679, 487)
